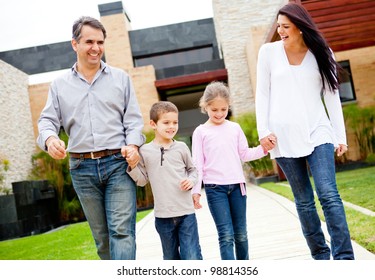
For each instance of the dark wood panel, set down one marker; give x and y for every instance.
(346, 24)
(343, 9)
(351, 16)
(189, 80)
(324, 4)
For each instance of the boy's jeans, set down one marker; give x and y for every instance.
(179, 237)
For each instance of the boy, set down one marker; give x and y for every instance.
(167, 165)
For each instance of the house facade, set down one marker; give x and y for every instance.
(175, 63)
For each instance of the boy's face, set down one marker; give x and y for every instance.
(166, 127)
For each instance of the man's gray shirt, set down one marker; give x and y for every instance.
(98, 116)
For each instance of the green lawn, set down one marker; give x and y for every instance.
(357, 187)
(73, 242)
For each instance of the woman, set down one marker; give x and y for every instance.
(293, 76)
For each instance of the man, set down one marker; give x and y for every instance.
(97, 107)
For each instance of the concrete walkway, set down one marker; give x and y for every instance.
(273, 228)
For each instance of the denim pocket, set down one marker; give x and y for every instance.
(118, 156)
(211, 186)
(74, 163)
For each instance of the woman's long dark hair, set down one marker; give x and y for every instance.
(316, 43)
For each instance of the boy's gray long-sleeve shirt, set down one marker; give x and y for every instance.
(165, 169)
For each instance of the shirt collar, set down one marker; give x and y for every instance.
(103, 67)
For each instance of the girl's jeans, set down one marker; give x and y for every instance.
(228, 209)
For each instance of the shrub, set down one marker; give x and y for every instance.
(4, 167)
(261, 167)
(57, 174)
(362, 122)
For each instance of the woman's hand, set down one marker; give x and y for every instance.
(341, 150)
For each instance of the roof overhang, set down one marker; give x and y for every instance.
(191, 80)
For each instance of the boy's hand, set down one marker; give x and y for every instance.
(131, 154)
(186, 185)
(196, 198)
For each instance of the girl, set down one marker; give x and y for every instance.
(218, 148)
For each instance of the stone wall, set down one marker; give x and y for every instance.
(233, 23)
(17, 142)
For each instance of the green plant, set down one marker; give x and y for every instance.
(362, 122)
(57, 174)
(260, 167)
(145, 198)
(4, 167)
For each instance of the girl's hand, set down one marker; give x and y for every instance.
(196, 198)
(268, 142)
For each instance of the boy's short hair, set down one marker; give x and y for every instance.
(161, 107)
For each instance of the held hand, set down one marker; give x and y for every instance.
(56, 148)
(341, 150)
(196, 198)
(268, 142)
(186, 185)
(131, 155)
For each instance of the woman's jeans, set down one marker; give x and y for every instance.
(108, 198)
(179, 237)
(322, 167)
(228, 209)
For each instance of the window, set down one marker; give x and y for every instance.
(180, 58)
(346, 89)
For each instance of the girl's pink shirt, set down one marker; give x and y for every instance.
(218, 152)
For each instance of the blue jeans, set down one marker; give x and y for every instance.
(108, 198)
(322, 167)
(179, 237)
(228, 209)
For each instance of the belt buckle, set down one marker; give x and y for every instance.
(93, 157)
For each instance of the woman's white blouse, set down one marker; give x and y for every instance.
(289, 104)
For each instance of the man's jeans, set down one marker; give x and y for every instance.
(179, 237)
(108, 198)
(322, 167)
(228, 209)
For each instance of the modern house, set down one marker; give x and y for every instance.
(175, 62)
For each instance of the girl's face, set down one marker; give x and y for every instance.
(288, 31)
(217, 110)
(166, 127)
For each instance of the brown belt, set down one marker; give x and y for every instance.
(95, 155)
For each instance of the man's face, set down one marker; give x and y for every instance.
(90, 47)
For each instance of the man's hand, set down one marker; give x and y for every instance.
(56, 148)
(131, 155)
